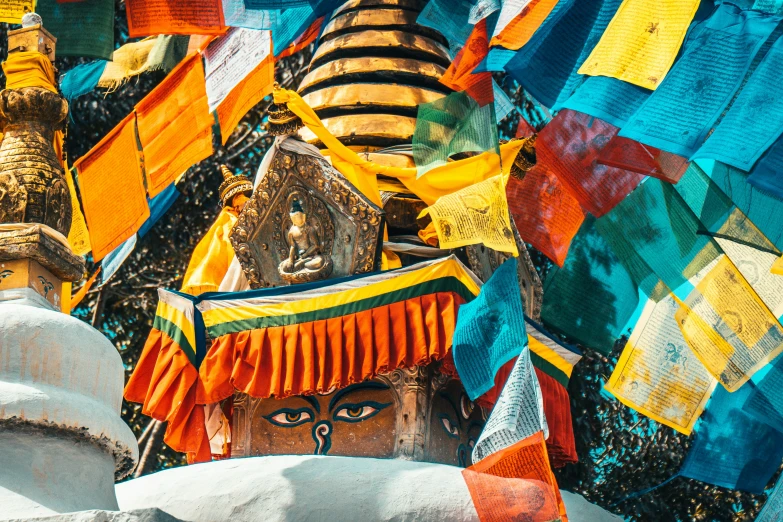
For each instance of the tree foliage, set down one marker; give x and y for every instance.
(620, 451)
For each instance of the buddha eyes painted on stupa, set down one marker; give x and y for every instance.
(360, 417)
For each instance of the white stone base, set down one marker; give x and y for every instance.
(44, 475)
(317, 488)
(62, 439)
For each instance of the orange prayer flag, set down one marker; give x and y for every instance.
(150, 17)
(459, 76)
(79, 295)
(254, 88)
(112, 168)
(175, 125)
(303, 40)
(516, 483)
(521, 28)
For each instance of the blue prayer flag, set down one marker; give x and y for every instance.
(681, 111)
(731, 448)
(767, 175)
(763, 210)
(490, 331)
(755, 119)
(546, 66)
(592, 298)
(82, 79)
(496, 60)
(609, 99)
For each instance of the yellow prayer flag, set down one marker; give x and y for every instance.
(438, 182)
(11, 11)
(212, 256)
(641, 42)
(112, 188)
(78, 236)
(475, 214)
(728, 326)
(777, 266)
(658, 375)
(132, 59)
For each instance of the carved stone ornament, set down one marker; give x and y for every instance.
(32, 181)
(338, 230)
(484, 261)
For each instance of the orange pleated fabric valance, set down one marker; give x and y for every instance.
(300, 340)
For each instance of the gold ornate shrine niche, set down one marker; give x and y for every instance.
(304, 223)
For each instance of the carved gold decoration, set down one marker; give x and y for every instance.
(333, 204)
(525, 158)
(232, 185)
(31, 175)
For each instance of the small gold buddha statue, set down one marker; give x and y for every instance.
(306, 260)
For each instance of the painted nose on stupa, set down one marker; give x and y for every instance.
(374, 65)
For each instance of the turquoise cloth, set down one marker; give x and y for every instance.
(765, 401)
(82, 79)
(680, 113)
(496, 60)
(490, 331)
(764, 210)
(731, 448)
(546, 66)
(609, 99)
(592, 298)
(755, 120)
(449, 18)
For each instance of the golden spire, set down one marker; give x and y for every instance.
(373, 67)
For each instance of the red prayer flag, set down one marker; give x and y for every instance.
(627, 154)
(575, 140)
(459, 76)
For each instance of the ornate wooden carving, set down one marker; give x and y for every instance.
(348, 223)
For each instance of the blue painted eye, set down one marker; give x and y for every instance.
(288, 418)
(449, 426)
(359, 412)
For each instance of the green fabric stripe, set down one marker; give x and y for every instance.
(173, 331)
(549, 369)
(443, 284)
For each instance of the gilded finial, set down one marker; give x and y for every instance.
(282, 120)
(232, 185)
(526, 157)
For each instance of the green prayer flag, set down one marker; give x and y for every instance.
(452, 125)
(83, 28)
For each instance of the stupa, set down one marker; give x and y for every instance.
(347, 409)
